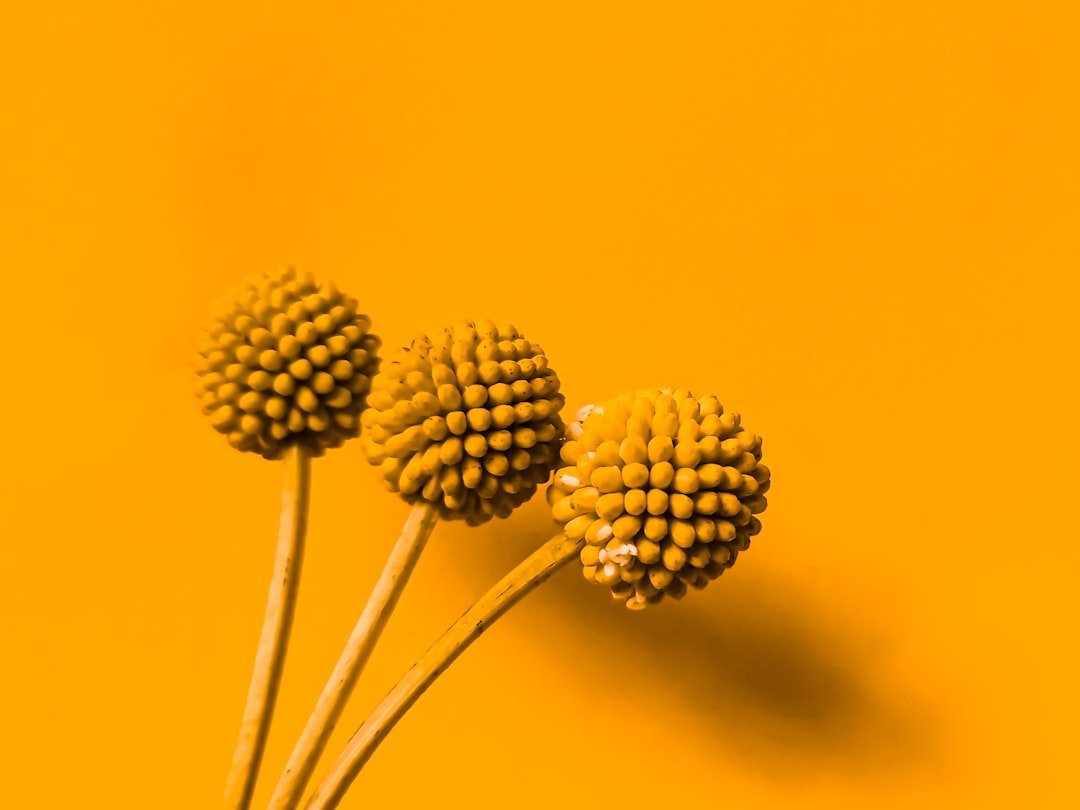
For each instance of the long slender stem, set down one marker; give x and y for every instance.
(532, 571)
(274, 641)
(399, 567)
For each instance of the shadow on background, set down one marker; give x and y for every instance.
(765, 668)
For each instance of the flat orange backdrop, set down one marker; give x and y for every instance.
(856, 223)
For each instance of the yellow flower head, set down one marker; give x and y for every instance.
(467, 419)
(286, 359)
(663, 488)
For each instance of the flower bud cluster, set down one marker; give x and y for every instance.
(286, 360)
(467, 419)
(664, 489)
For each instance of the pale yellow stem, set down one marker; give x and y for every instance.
(399, 566)
(274, 641)
(532, 571)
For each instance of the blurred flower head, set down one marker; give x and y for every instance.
(284, 360)
(663, 488)
(467, 419)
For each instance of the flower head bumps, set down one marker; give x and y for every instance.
(286, 360)
(663, 488)
(468, 419)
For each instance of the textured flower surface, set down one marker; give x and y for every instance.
(663, 488)
(285, 359)
(468, 419)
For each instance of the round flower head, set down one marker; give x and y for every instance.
(467, 419)
(286, 360)
(663, 488)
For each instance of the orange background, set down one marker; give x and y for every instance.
(856, 223)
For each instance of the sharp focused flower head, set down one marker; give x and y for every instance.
(467, 419)
(284, 360)
(663, 488)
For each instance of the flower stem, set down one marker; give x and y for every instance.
(274, 641)
(399, 567)
(532, 571)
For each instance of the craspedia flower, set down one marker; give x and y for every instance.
(467, 420)
(663, 488)
(286, 359)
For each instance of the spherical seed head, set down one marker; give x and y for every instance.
(283, 360)
(467, 419)
(663, 487)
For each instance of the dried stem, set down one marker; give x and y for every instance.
(399, 566)
(532, 571)
(274, 641)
